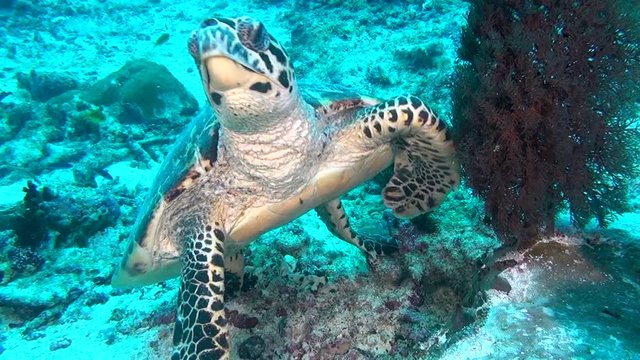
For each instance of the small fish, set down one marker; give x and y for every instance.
(612, 313)
(62, 165)
(162, 39)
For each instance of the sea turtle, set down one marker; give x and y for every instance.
(270, 157)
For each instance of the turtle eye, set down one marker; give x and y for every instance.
(252, 34)
(208, 22)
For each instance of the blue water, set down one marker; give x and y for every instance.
(96, 94)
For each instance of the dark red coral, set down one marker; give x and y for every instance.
(542, 110)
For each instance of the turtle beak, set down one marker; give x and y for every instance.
(220, 74)
(224, 74)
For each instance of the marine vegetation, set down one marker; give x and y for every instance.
(30, 226)
(545, 109)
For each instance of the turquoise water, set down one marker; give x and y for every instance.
(95, 95)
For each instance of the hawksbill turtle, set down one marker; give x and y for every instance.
(265, 158)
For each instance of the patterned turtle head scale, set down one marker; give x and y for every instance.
(245, 71)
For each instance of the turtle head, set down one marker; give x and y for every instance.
(245, 71)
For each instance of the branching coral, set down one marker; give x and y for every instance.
(543, 110)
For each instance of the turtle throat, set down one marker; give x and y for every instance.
(280, 158)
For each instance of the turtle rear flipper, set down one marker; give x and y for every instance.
(424, 166)
(201, 326)
(237, 276)
(333, 215)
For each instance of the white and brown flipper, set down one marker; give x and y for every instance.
(201, 329)
(425, 169)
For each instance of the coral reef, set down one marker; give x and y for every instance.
(423, 57)
(144, 92)
(77, 215)
(30, 225)
(15, 116)
(24, 261)
(390, 57)
(46, 85)
(133, 114)
(64, 219)
(544, 111)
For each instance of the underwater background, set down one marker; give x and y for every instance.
(94, 93)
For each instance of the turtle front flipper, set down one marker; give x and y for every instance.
(333, 215)
(201, 326)
(425, 170)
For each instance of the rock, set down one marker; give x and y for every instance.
(23, 6)
(241, 321)
(292, 240)
(45, 318)
(93, 298)
(562, 289)
(18, 116)
(109, 335)
(8, 214)
(52, 291)
(82, 215)
(84, 262)
(62, 156)
(444, 303)
(7, 238)
(34, 335)
(46, 85)
(389, 271)
(25, 261)
(251, 348)
(417, 329)
(60, 343)
(423, 57)
(23, 156)
(337, 347)
(80, 119)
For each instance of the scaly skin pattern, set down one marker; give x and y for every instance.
(332, 213)
(423, 171)
(270, 157)
(201, 326)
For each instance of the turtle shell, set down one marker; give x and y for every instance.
(335, 102)
(198, 142)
